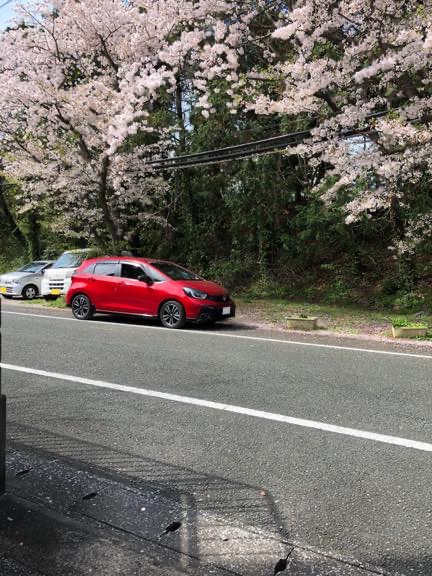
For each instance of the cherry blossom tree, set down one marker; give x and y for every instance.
(78, 84)
(345, 67)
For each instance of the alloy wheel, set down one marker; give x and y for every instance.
(81, 307)
(172, 315)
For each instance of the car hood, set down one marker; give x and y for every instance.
(62, 273)
(15, 276)
(205, 286)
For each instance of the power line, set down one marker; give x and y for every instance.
(250, 149)
(5, 3)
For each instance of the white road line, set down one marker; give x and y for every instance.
(228, 408)
(224, 335)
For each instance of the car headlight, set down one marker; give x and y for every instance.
(195, 293)
(16, 281)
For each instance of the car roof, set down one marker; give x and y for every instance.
(131, 258)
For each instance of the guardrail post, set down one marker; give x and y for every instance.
(2, 426)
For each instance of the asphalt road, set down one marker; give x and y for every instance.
(340, 494)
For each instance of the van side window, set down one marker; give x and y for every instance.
(105, 269)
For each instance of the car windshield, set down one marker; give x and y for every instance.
(32, 268)
(175, 272)
(70, 260)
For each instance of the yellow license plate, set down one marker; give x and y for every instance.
(3, 289)
(55, 291)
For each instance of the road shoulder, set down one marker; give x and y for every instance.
(59, 517)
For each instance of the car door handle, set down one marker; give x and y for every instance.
(122, 283)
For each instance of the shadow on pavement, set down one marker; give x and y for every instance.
(230, 326)
(38, 541)
(233, 525)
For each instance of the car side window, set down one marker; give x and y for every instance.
(105, 269)
(88, 269)
(154, 274)
(131, 271)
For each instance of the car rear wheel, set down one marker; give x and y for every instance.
(82, 308)
(172, 314)
(29, 292)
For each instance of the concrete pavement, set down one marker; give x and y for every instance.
(330, 493)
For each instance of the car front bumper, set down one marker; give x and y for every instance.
(216, 313)
(55, 286)
(11, 289)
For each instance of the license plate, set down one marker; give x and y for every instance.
(3, 289)
(226, 310)
(55, 291)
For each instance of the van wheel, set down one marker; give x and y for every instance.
(82, 308)
(29, 292)
(172, 314)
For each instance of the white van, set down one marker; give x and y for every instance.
(57, 279)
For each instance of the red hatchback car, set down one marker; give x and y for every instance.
(146, 287)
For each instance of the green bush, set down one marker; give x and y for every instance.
(410, 301)
(403, 322)
(338, 292)
(232, 273)
(389, 287)
(11, 265)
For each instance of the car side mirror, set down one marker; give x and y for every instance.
(42, 271)
(145, 278)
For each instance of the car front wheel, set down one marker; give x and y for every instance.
(29, 292)
(82, 308)
(172, 314)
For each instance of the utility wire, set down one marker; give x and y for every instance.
(5, 3)
(255, 148)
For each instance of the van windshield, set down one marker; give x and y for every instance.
(70, 260)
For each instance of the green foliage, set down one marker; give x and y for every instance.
(403, 322)
(11, 264)
(389, 287)
(338, 293)
(410, 301)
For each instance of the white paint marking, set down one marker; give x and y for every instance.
(224, 335)
(228, 408)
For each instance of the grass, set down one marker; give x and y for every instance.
(343, 319)
(59, 303)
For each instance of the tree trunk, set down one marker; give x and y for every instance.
(34, 235)
(407, 273)
(111, 225)
(182, 176)
(9, 218)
